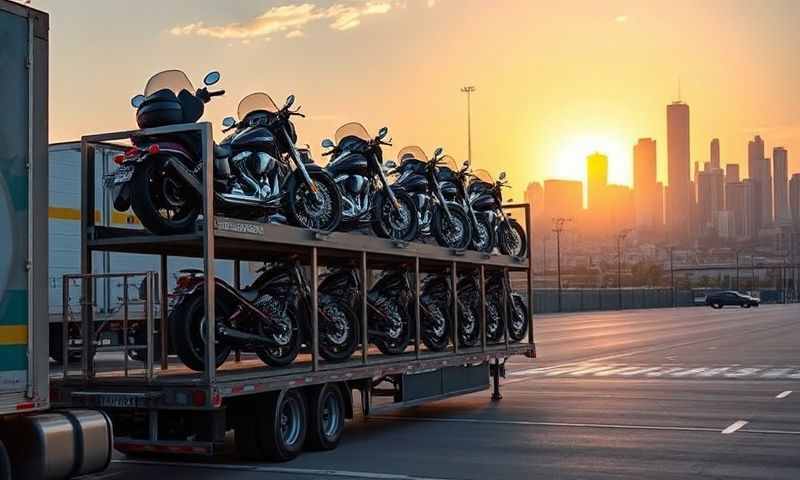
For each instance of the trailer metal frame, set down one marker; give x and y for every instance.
(242, 240)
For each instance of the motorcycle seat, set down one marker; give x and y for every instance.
(249, 293)
(222, 151)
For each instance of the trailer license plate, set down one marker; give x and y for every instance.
(120, 401)
(123, 174)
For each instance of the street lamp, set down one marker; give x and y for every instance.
(469, 90)
(620, 238)
(558, 227)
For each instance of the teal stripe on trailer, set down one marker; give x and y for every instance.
(13, 357)
(14, 307)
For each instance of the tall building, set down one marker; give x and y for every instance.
(714, 157)
(732, 173)
(621, 207)
(563, 198)
(678, 166)
(597, 180)
(758, 171)
(534, 194)
(659, 205)
(710, 198)
(794, 200)
(780, 175)
(738, 201)
(645, 184)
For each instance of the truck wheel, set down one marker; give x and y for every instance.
(5, 463)
(326, 412)
(282, 426)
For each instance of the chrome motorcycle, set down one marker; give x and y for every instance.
(485, 195)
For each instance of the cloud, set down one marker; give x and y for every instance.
(290, 18)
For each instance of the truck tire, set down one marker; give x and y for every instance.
(326, 413)
(5, 463)
(282, 425)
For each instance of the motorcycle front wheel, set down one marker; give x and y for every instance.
(320, 210)
(338, 330)
(518, 318)
(400, 223)
(512, 239)
(187, 330)
(455, 232)
(469, 321)
(162, 201)
(391, 318)
(483, 234)
(435, 321)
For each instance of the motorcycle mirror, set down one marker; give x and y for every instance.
(465, 164)
(390, 164)
(228, 122)
(137, 101)
(502, 176)
(383, 132)
(327, 143)
(289, 101)
(437, 152)
(211, 78)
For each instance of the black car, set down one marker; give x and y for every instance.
(720, 299)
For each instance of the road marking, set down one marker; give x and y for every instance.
(734, 426)
(776, 372)
(743, 372)
(734, 371)
(545, 424)
(783, 394)
(258, 468)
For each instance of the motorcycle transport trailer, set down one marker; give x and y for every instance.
(160, 406)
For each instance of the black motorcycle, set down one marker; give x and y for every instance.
(161, 176)
(453, 184)
(485, 196)
(271, 317)
(446, 221)
(357, 167)
(389, 306)
(498, 293)
(437, 317)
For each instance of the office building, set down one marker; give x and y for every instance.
(714, 156)
(678, 166)
(758, 171)
(563, 198)
(780, 191)
(732, 173)
(710, 198)
(794, 200)
(738, 201)
(645, 184)
(597, 180)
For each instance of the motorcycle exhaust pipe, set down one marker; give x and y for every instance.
(238, 336)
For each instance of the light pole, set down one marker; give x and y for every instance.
(672, 275)
(558, 227)
(620, 238)
(469, 90)
(737, 271)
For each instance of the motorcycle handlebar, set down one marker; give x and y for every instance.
(217, 93)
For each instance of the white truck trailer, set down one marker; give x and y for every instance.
(35, 441)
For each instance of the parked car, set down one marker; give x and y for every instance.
(720, 299)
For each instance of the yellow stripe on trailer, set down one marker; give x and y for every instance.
(13, 334)
(118, 218)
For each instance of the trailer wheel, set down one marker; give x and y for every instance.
(282, 426)
(326, 413)
(5, 463)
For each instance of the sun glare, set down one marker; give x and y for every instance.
(572, 152)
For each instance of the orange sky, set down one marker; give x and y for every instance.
(555, 80)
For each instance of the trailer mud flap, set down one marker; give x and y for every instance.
(444, 382)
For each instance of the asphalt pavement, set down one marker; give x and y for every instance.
(640, 394)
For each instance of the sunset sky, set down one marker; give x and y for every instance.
(555, 80)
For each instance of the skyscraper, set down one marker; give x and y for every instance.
(645, 183)
(714, 158)
(794, 200)
(732, 173)
(710, 198)
(563, 198)
(780, 175)
(596, 179)
(678, 165)
(738, 201)
(758, 172)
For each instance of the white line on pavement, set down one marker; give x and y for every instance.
(317, 472)
(783, 394)
(734, 426)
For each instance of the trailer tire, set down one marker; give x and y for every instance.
(282, 426)
(5, 463)
(326, 414)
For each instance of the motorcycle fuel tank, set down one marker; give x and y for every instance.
(256, 138)
(349, 164)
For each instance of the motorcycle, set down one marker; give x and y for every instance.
(485, 196)
(453, 184)
(271, 317)
(446, 221)
(389, 301)
(356, 166)
(161, 176)
(498, 286)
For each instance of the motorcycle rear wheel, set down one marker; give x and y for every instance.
(338, 326)
(161, 201)
(391, 344)
(285, 353)
(435, 322)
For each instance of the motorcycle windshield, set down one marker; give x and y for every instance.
(174, 80)
(483, 176)
(411, 153)
(256, 102)
(352, 129)
(449, 162)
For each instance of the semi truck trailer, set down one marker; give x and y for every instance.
(36, 442)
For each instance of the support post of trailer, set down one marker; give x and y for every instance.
(417, 327)
(506, 295)
(164, 310)
(364, 310)
(209, 252)
(495, 371)
(237, 284)
(87, 229)
(314, 311)
(150, 324)
(125, 335)
(454, 285)
(482, 274)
